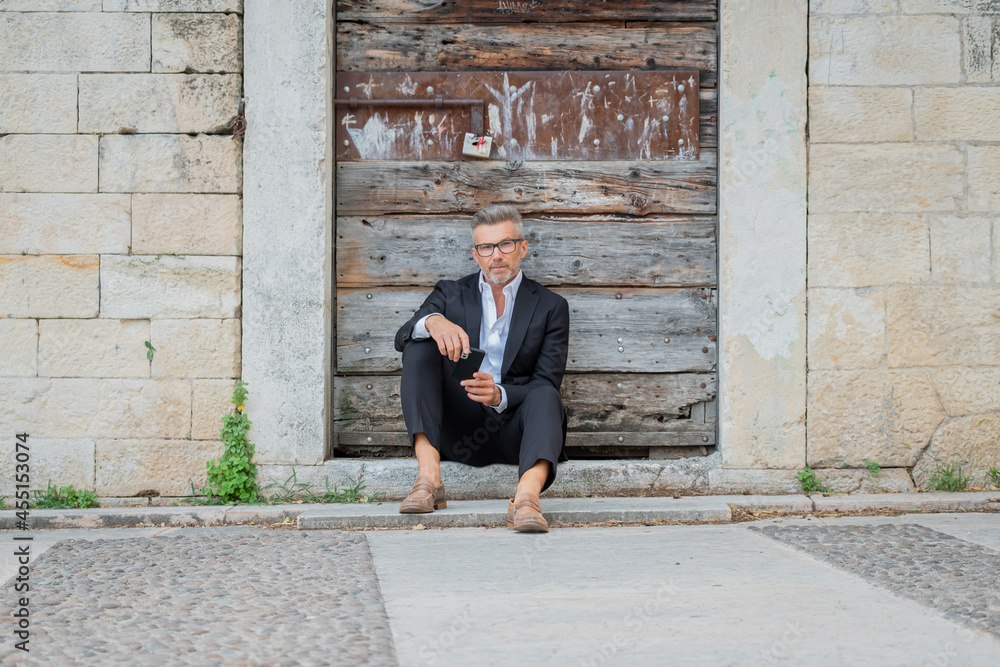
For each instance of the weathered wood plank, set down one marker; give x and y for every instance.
(639, 187)
(661, 330)
(420, 250)
(613, 115)
(682, 433)
(509, 11)
(625, 402)
(405, 47)
(708, 109)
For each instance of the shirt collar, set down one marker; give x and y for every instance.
(510, 289)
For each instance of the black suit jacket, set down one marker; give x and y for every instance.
(537, 341)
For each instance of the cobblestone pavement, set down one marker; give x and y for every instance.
(958, 578)
(214, 597)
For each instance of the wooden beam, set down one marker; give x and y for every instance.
(634, 187)
(404, 47)
(661, 330)
(420, 250)
(510, 11)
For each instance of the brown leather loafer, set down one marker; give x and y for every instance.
(423, 497)
(525, 516)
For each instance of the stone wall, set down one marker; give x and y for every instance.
(120, 223)
(903, 234)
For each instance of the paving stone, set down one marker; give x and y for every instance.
(959, 579)
(232, 597)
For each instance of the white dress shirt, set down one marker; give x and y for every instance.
(493, 331)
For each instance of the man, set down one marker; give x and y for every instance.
(511, 411)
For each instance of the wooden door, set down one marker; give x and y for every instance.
(629, 240)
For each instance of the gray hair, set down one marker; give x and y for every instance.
(494, 215)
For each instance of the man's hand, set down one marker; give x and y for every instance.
(481, 389)
(451, 339)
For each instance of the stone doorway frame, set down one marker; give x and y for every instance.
(288, 300)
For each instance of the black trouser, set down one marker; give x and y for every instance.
(463, 430)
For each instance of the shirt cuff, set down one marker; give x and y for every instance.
(420, 329)
(503, 400)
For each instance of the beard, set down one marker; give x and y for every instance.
(499, 275)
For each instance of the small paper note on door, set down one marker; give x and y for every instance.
(477, 146)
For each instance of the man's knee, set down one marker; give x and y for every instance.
(421, 353)
(547, 396)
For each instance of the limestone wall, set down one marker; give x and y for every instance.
(903, 234)
(120, 223)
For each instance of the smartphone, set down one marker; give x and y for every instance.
(468, 364)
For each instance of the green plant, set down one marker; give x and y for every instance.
(293, 490)
(948, 478)
(995, 476)
(149, 350)
(233, 477)
(810, 483)
(3, 503)
(872, 467)
(64, 497)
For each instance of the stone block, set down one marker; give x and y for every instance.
(187, 224)
(149, 103)
(74, 42)
(43, 103)
(170, 286)
(949, 6)
(755, 480)
(977, 51)
(125, 467)
(960, 249)
(48, 162)
(984, 178)
(864, 250)
(957, 114)
(38, 224)
(170, 163)
(942, 325)
(50, 5)
(967, 391)
(63, 462)
(854, 480)
(900, 178)
(996, 251)
(235, 6)
(93, 348)
(19, 342)
(834, 7)
(49, 286)
(849, 114)
(886, 416)
(210, 400)
(885, 50)
(973, 441)
(846, 328)
(925, 502)
(96, 408)
(197, 43)
(196, 348)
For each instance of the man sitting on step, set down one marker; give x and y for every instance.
(510, 411)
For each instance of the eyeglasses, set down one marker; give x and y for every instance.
(506, 247)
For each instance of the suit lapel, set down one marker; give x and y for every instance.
(473, 302)
(524, 308)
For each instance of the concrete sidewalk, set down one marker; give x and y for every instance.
(493, 513)
(916, 589)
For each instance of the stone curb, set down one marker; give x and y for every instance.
(492, 513)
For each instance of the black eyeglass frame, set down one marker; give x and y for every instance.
(493, 246)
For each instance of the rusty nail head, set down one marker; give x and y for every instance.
(666, 340)
(368, 295)
(703, 385)
(704, 438)
(618, 296)
(704, 349)
(368, 386)
(712, 338)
